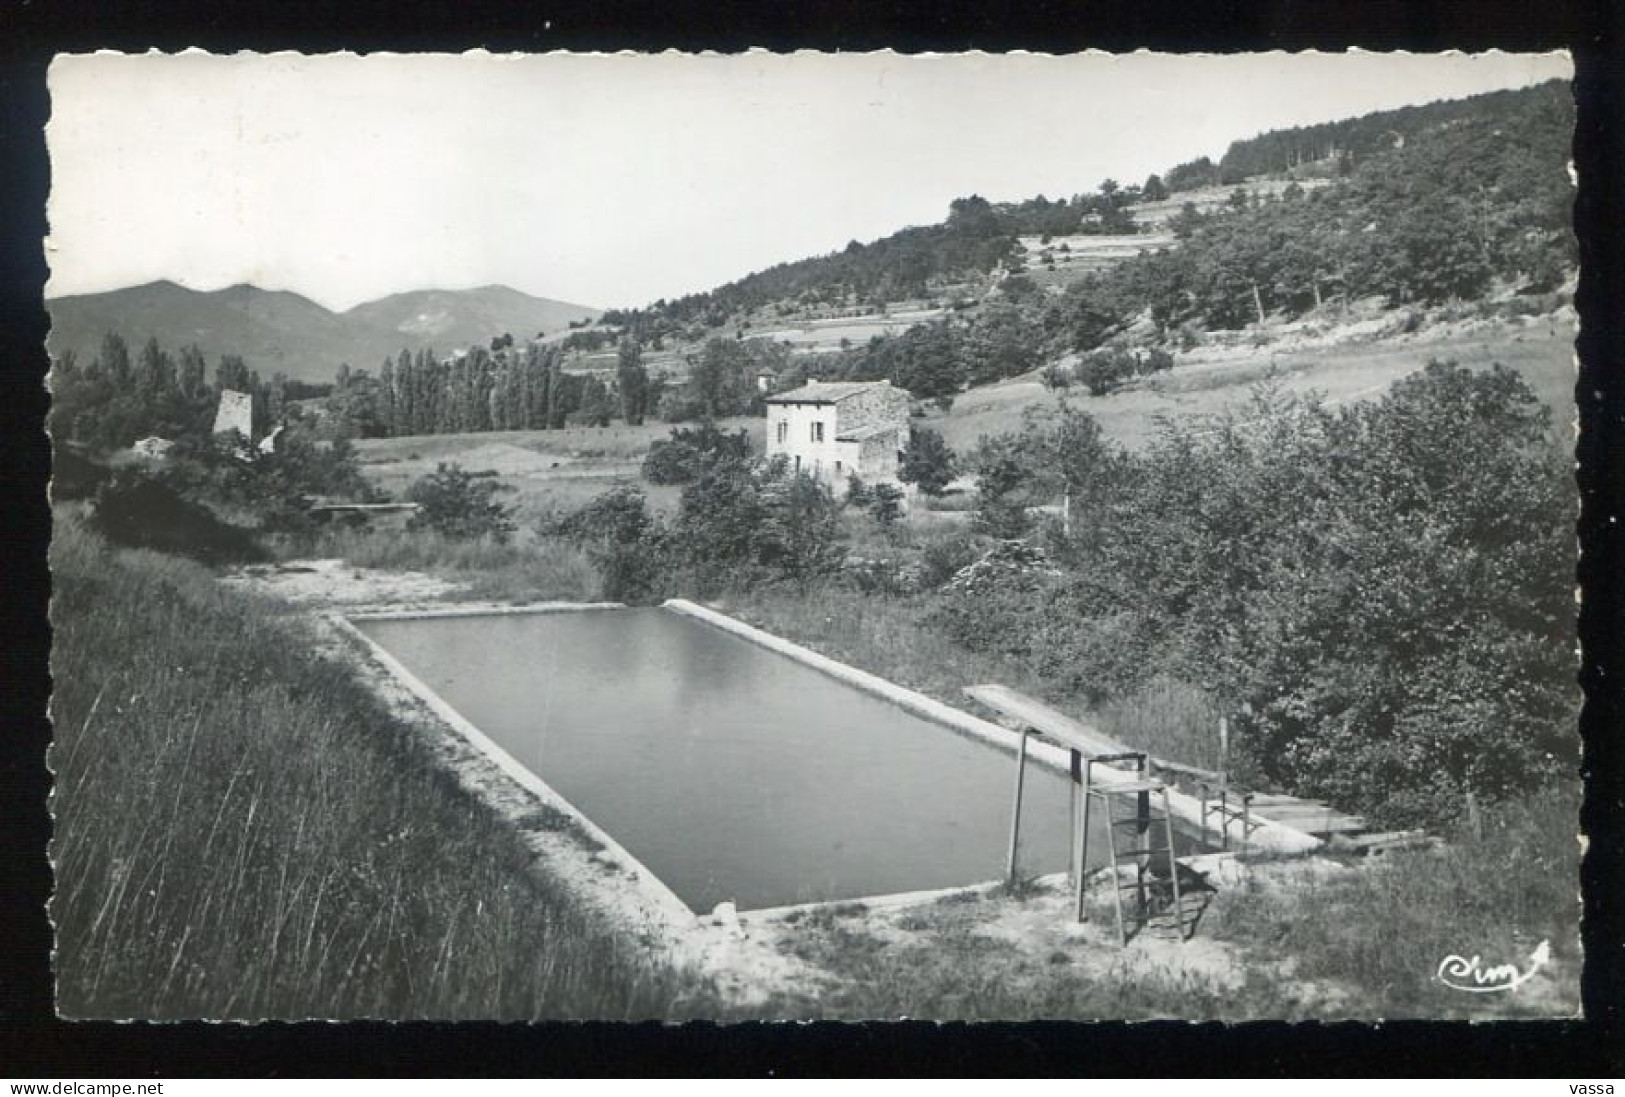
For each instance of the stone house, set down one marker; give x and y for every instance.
(831, 429)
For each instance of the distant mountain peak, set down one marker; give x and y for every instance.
(282, 331)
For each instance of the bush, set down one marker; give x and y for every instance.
(681, 458)
(620, 516)
(941, 559)
(631, 550)
(73, 475)
(886, 506)
(1155, 360)
(892, 578)
(1001, 482)
(1105, 371)
(460, 504)
(927, 461)
(858, 493)
(136, 511)
(638, 571)
(742, 522)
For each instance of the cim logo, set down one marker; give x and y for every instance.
(1469, 974)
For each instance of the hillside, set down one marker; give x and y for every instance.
(281, 332)
(1418, 204)
(459, 318)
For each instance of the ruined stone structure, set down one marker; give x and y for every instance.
(236, 413)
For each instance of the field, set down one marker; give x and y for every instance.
(1349, 360)
(1340, 364)
(547, 469)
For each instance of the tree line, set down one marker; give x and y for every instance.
(1382, 593)
(503, 387)
(117, 398)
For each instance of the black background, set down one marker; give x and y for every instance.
(34, 1044)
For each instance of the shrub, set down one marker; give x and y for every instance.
(636, 571)
(681, 458)
(741, 522)
(460, 504)
(858, 493)
(1001, 478)
(1105, 371)
(927, 461)
(630, 549)
(893, 578)
(1156, 360)
(942, 558)
(74, 475)
(620, 516)
(886, 505)
(136, 511)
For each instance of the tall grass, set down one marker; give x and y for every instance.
(887, 636)
(1171, 719)
(242, 831)
(533, 569)
(1382, 931)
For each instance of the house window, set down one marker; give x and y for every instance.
(784, 431)
(818, 431)
(837, 468)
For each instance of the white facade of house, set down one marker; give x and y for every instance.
(830, 430)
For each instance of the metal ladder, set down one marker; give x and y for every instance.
(1139, 830)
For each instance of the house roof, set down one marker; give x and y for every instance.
(873, 431)
(824, 392)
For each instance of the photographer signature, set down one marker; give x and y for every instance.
(1468, 974)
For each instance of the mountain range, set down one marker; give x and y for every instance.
(276, 331)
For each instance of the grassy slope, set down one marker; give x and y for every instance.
(1208, 380)
(243, 832)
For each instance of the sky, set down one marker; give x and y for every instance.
(614, 180)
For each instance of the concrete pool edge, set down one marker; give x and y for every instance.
(678, 915)
(474, 609)
(1269, 836)
(650, 887)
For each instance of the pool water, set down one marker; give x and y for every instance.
(732, 772)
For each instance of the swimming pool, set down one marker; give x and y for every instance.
(730, 771)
